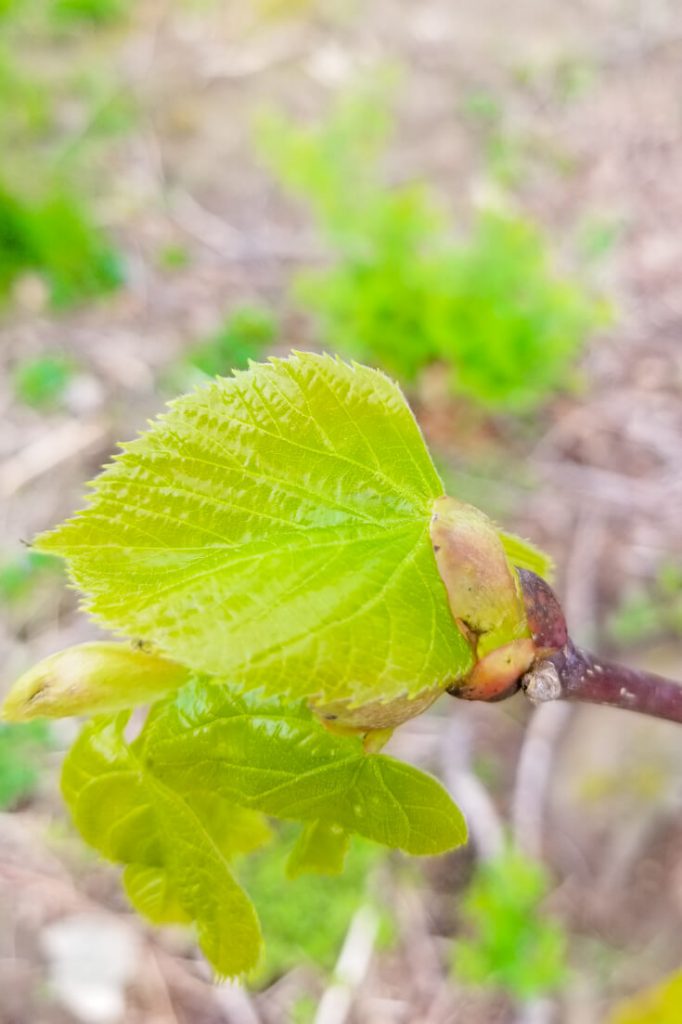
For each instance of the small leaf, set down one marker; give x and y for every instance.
(513, 945)
(525, 555)
(234, 830)
(273, 528)
(90, 678)
(227, 926)
(271, 756)
(152, 893)
(176, 869)
(319, 850)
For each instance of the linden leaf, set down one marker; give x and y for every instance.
(320, 849)
(151, 892)
(274, 757)
(235, 830)
(273, 528)
(525, 555)
(176, 868)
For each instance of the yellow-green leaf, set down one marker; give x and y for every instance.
(176, 868)
(273, 756)
(320, 849)
(273, 528)
(91, 678)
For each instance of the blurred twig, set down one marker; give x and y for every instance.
(468, 792)
(48, 451)
(549, 721)
(351, 968)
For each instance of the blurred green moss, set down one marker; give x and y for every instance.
(20, 768)
(20, 574)
(53, 236)
(514, 947)
(305, 919)
(650, 612)
(42, 382)
(402, 290)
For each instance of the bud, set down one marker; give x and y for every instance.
(545, 616)
(485, 599)
(91, 678)
(498, 673)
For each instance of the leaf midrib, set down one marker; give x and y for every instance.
(397, 526)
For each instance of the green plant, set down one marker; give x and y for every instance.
(272, 534)
(95, 12)
(26, 107)
(647, 613)
(19, 764)
(173, 257)
(296, 585)
(305, 916)
(41, 382)
(20, 574)
(514, 946)
(53, 115)
(515, 325)
(403, 291)
(53, 236)
(244, 335)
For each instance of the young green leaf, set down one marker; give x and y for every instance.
(274, 757)
(176, 804)
(177, 869)
(525, 555)
(273, 528)
(319, 850)
(91, 678)
(152, 893)
(235, 830)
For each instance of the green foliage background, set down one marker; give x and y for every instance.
(403, 290)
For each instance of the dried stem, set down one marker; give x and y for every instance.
(573, 674)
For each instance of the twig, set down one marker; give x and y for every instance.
(469, 793)
(550, 721)
(538, 1011)
(351, 968)
(236, 1004)
(563, 671)
(573, 674)
(533, 776)
(48, 451)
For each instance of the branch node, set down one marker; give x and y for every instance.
(542, 683)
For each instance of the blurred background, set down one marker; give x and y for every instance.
(484, 199)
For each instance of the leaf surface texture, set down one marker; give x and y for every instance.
(272, 527)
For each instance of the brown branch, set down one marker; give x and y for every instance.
(572, 674)
(561, 671)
